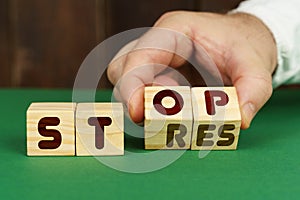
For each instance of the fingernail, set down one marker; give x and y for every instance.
(130, 109)
(132, 113)
(249, 112)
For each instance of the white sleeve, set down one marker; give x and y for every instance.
(283, 19)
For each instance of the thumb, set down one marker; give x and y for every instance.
(253, 92)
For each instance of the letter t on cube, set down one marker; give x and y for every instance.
(99, 129)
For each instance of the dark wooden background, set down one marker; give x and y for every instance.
(43, 42)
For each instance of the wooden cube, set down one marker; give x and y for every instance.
(168, 117)
(99, 129)
(217, 118)
(50, 129)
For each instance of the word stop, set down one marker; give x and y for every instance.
(200, 118)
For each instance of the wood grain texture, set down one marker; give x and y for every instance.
(228, 114)
(129, 14)
(218, 5)
(51, 39)
(43, 42)
(113, 133)
(157, 124)
(66, 114)
(4, 44)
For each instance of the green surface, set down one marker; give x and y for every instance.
(266, 164)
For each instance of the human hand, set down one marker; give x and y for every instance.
(240, 45)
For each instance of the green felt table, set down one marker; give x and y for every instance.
(266, 164)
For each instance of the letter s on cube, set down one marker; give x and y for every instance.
(50, 129)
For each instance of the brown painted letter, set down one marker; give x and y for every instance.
(202, 135)
(178, 137)
(168, 93)
(229, 136)
(209, 100)
(99, 123)
(49, 144)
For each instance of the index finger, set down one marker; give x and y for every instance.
(154, 52)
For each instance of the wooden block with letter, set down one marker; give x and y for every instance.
(50, 129)
(168, 117)
(99, 129)
(217, 118)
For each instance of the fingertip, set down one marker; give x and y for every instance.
(248, 112)
(253, 92)
(135, 115)
(136, 106)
